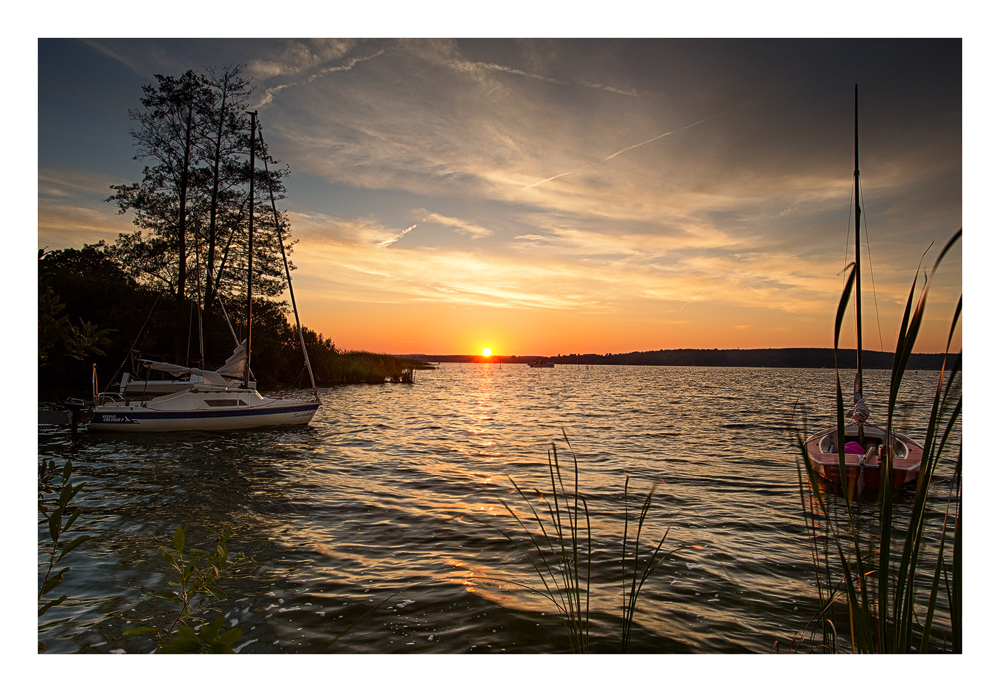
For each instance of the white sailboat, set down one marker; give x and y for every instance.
(222, 399)
(866, 448)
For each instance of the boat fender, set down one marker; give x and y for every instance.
(853, 447)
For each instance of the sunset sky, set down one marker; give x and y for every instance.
(559, 196)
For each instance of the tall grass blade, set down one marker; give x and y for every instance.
(900, 594)
(562, 558)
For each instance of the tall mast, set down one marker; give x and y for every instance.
(253, 138)
(857, 235)
(288, 273)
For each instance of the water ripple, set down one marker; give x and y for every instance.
(382, 516)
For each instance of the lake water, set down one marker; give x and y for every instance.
(385, 513)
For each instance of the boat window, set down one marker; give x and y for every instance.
(224, 402)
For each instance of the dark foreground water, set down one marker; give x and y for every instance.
(386, 510)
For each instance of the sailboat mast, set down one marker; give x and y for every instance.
(253, 141)
(857, 235)
(288, 273)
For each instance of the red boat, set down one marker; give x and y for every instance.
(864, 469)
(866, 447)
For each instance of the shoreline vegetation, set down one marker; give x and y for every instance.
(175, 289)
(724, 358)
(91, 313)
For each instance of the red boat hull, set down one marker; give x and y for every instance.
(863, 473)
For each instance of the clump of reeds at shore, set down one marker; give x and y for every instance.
(333, 366)
(557, 542)
(363, 367)
(879, 579)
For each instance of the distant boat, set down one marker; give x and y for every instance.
(223, 399)
(541, 364)
(866, 447)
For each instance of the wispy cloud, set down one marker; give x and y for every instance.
(622, 151)
(457, 175)
(305, 60)
(460, 225)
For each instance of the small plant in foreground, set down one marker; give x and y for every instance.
(55, 493)
(196, 592)
(561, 553)
(895, 614)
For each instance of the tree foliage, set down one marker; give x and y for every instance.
(174, 289)
(58, 337)
(191, 208)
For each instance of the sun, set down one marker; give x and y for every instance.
(487, 352)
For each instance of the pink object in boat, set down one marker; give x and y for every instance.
(853, 447)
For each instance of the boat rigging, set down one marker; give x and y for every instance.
(859, 456)
(222, 399)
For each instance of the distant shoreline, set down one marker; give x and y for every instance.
(733, 358)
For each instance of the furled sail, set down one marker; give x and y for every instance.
(231, 369)
(234, 365)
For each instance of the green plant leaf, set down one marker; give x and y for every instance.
(140, 630)
(230, 636)
(66, 495)
(71, 545)
(55, 524)
(179, 539)
(50, 604)
(73, 517)
(185, 642)
(211, 631)
(165, 595)
(53, 581)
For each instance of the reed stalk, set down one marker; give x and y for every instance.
(560, 551)
(887, 619)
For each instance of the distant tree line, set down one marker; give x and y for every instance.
(174, 289)
(720, 357)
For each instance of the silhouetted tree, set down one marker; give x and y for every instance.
(223, 149)
(168, 135)
(192, 205)
(192, 202)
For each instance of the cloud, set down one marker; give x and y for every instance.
(302, 59)
(459, 226)
(578, 271)
(621, 151)
(71, 210)
(292, 57)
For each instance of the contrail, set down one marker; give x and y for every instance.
(390, 241)
(546, 180)
(696, 297)
(608, 158)
(655, 138)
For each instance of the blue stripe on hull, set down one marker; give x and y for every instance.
(132, 420)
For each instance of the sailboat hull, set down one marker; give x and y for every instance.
(200, 410)
(863, 473)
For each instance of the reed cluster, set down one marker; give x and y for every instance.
(334, 367)
(558, 543)
(891, 605)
